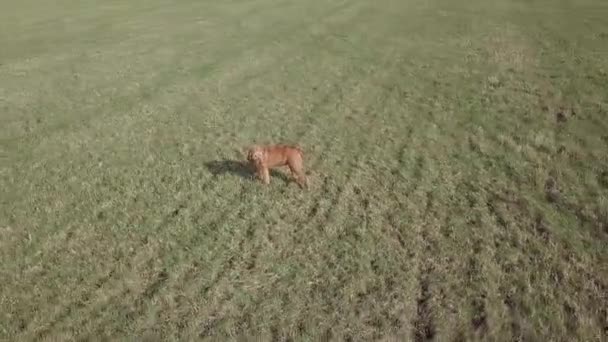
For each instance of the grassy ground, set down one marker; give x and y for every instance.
(457, 150)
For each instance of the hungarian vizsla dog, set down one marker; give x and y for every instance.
(265, 157)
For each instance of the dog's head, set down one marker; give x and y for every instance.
(255, 154)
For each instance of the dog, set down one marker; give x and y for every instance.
(265, 157)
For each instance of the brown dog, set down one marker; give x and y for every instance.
(264, 158)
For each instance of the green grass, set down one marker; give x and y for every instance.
(457, 151)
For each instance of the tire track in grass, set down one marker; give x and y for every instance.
(396, 221)
(482, 268)
(474, 273)
(390, 266)
(424, 324)
(507, 242)
(401, 181)
(391, 214)
(513, 238)
(424, 221)
(499, 219)
(469, 289)
(337, 240)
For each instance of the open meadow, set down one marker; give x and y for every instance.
(457, 154)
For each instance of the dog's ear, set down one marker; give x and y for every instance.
(245, 151)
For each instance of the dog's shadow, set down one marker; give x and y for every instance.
(239, 168)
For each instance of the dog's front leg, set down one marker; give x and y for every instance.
(258, 174)
(266, 175)
(258, 170)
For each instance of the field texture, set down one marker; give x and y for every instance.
(457, 153)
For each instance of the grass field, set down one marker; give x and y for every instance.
(457, 153)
